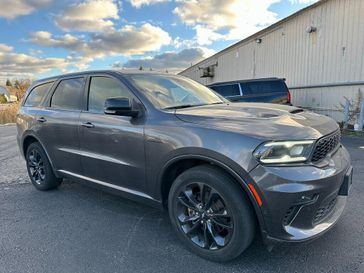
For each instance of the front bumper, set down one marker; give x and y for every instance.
(302, 202)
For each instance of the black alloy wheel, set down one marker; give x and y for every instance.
(203, 216)
(211, 214)
(36, 166)
(39, 168)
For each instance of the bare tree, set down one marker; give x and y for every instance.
(20, 87)
(354, 107)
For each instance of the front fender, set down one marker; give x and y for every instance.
(240, 175)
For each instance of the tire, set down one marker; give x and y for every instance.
(227, 229)
(39, 168)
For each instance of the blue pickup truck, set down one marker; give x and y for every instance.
(272, 90)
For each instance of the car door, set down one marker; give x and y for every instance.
(58, 124)
(112, 147)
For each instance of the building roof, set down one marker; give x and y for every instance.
(260, 33)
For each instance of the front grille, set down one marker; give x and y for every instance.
(324, 210)
(326, 145)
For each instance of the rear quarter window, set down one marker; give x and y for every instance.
(228, 90)
(37, 94)
(263, 87)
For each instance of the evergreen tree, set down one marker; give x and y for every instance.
(8, 83)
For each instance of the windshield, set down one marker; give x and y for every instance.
(169, 92)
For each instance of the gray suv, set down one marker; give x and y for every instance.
(223, 171)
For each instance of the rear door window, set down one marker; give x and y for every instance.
(69, 94)
(228, 90)
(263, 87)
(37, 94)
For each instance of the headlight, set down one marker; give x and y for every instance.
(277, 152)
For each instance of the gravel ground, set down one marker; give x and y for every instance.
(79, 229)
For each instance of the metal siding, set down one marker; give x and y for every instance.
(332, 54)
(328, 100)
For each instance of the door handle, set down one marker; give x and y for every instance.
(88, 125)
(41, 119)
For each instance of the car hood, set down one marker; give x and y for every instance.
(260, 120)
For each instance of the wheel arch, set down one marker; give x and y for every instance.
(179, 164)
(28, 140)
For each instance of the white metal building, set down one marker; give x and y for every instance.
(319, 50)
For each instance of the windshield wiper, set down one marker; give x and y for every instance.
(182, 106)
(190, 105)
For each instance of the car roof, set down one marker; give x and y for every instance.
(109, 71)
(248, 80)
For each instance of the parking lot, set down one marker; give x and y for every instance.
(80, 229)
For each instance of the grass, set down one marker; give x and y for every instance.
(8, 112)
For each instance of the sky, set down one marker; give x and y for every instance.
(41, 38)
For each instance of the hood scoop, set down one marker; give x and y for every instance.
(296, 111)
(268, 121)
(238, 111)
(267, 115)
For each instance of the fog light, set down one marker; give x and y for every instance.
(306, 200)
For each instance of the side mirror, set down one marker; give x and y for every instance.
(120, 107)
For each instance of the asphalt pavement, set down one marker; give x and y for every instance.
(80, 229)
